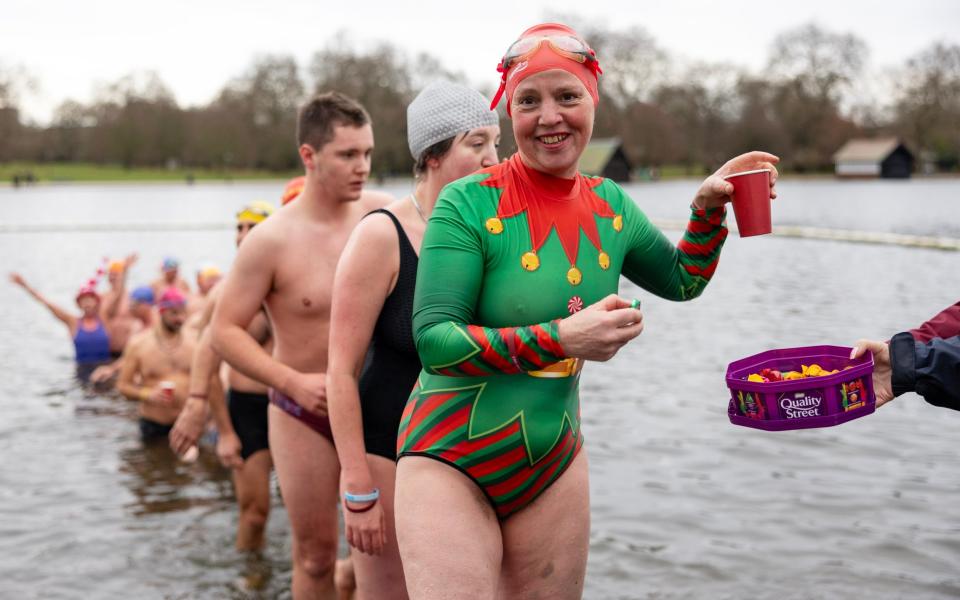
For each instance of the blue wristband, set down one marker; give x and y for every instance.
(374, 495)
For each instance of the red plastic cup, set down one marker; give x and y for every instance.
(168, 388)
(751, 201)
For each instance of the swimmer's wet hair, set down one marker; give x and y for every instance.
(319, 116)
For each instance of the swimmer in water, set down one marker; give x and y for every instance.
(156, 367)
(89, 334)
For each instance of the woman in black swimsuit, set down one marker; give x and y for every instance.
(451, 132)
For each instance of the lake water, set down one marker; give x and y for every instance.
(684, 504)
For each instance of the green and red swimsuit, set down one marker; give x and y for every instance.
(510, 245)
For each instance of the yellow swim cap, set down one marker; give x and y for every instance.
(255, 211)
(209, 271)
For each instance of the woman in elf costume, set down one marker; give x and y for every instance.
(516, 288)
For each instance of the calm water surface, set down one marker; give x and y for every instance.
(684, 504)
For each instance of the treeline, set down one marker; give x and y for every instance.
(814, 95)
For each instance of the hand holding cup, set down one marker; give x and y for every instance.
(716, 191)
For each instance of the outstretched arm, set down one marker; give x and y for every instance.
(682, 272)
(674, 272)
(59, 312)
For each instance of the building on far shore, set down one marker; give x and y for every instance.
(605, 157)
(868, 158)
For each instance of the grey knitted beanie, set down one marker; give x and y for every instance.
(442, 110)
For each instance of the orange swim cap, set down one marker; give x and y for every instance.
(292, 190)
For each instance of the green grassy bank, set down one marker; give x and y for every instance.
(81, 172)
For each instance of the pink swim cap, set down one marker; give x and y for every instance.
(171, 298)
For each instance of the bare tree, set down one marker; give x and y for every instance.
(812, 69)
(818, 63)
(15, 83)
(928, 102)
(380, 79)
(253, 119)
(633, 63)
(137, 122)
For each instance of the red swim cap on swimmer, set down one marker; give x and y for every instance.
(88, 290)
(544, 47)
(171, 298)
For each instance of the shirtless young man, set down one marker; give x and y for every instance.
(287, 264)
(242, 443)
(157, 358)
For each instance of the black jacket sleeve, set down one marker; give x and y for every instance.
(931, 369)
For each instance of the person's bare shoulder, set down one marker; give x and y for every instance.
(376, 232)
(267, 238)
(372, 200)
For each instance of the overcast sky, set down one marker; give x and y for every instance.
(70, 47)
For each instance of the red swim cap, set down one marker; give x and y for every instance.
(88, 290)
(547, 56)
(293, 189)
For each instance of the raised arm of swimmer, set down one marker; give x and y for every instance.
(247, 285)
(116, 300)
(58, 311)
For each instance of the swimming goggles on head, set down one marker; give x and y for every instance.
(567, 46)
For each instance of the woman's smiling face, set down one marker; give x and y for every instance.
(552, 121)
